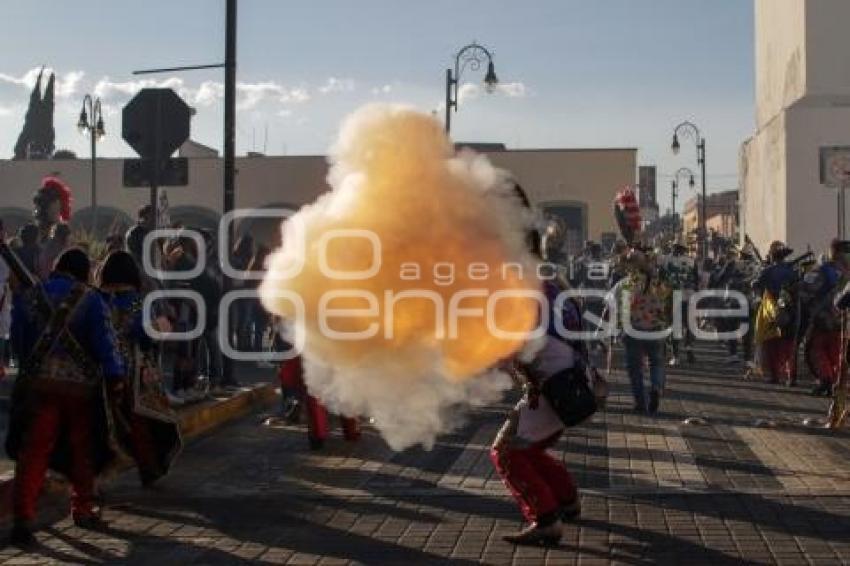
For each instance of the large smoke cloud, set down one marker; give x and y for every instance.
(449, 228)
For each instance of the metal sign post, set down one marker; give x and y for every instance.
(155, 123)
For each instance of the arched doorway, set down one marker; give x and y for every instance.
(195, 217)
(14, 218)
(265, 229)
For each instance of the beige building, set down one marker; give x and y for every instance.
(721, 214)
(802, 103)
(575, 184)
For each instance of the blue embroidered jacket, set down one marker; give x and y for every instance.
(90, 325)
(126, 303)
(774, 277)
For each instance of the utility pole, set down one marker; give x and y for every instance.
(229, 153)
(229, 185)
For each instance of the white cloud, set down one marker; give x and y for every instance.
(207, 94)
(285, 113)
(470, 91)
(512, 90)
(383, 89)
(66, 83)
(334, 84)
(27, 80)
(107, 89)
(296, 95)
(5, 111)
(467, 92)
(252, 94)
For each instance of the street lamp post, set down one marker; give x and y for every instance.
(91, 121)
(473, 55)
(689, 130)
(674, 185)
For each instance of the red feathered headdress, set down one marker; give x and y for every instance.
(53, 187)
(627, 212)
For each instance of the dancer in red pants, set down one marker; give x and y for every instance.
(542, 486)
(58, 413)
(817, 293)
(291, 377)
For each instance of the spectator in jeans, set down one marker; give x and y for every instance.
(645, 303)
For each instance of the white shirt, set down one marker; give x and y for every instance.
(555, 356)
(537, 424)
(541, 423)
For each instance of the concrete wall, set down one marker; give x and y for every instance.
(812, 208)
(827, 46)
(259, 181)
(803, 103)
(764, 182)
(781, 62)
(590, 177)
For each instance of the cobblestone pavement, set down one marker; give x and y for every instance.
(248, 374)
(748, 483)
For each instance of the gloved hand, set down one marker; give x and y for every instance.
(532, 393)
(116, 389)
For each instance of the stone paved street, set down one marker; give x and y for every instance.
(751, 484)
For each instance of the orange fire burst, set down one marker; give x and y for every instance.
(428, 255)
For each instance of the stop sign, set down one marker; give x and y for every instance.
(156, 116)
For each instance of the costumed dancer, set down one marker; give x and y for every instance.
(145, 424)
(823, 333)
(295, 394)
(542, 486)
(627, 215)
(645, 305)
(751, 265)
(776, 318)
(52, 206)
(70, 367)
(838, 410)
(592, 277)
(679, 270)
(731, 277)
(544, 489)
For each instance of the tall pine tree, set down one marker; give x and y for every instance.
(27, 137)
(46, 134)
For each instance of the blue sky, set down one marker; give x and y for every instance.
(575, 73)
